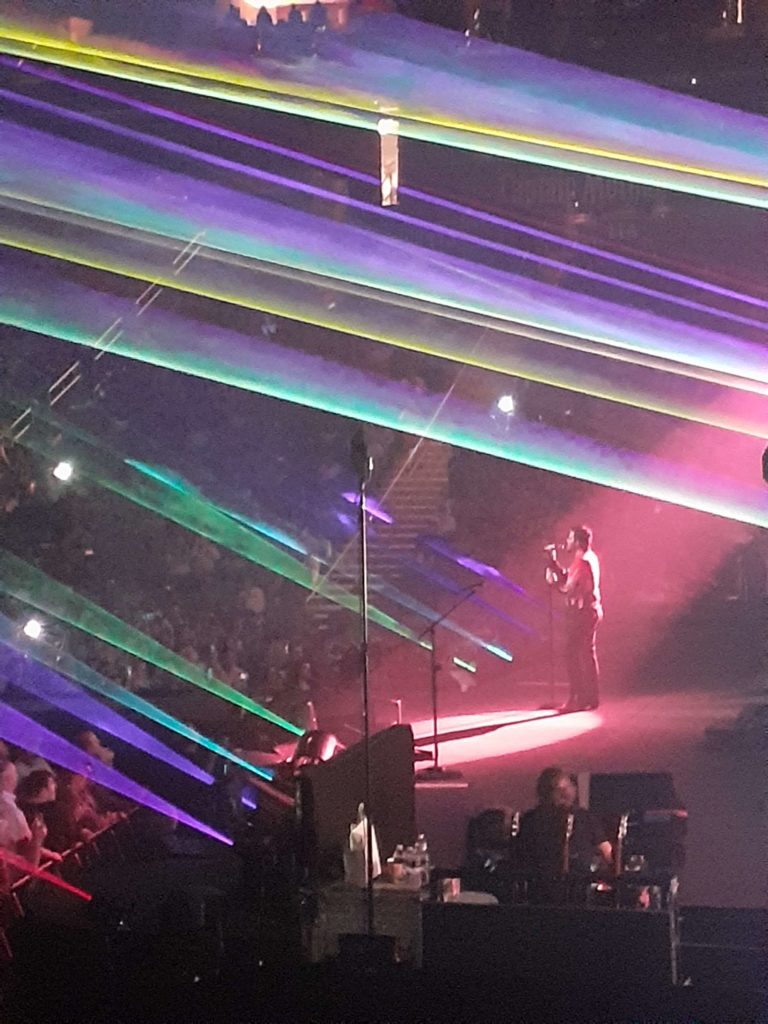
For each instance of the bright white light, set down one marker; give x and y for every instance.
(506, 404)
(694, 81)
(388, 126)
(389, 160)
(33, 628)
(63, 471)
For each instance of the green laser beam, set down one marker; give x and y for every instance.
(406, 323)
(189, 509)
(79, 672)
(319, 384)
(134, 222)
(27, 583)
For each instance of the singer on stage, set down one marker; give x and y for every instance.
(584, 612)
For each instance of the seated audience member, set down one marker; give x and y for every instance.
(35, 796)
(36, 793)
(27, 762)
(75, 816)
(544, 842)
(15, 834)
(93, 747)
(105, 799)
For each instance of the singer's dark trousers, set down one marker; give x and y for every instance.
(581, 655)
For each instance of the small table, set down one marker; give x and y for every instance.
(342, 910)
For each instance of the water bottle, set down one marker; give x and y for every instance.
(422, 858)
(412, 877)
(397, 865)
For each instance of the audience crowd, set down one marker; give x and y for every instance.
(46, 811)
(199, 25)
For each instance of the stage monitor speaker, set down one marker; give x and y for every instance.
(329, 795)
(442, 814)
(658, 819)
(616, 792)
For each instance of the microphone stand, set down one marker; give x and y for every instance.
(551, 703)
(436, 772)
(362, 464)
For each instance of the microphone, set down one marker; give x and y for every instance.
(554, 547)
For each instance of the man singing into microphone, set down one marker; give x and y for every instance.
(584, 612)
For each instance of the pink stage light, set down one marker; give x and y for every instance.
(423, 730)
(528, 730)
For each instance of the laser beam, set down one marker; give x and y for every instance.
(23, 671)
(30, 735)
(353, 107)
(67, 665)
(409, 324)
(377, 212)
(26, 583)
(482, 216)
(307, 380)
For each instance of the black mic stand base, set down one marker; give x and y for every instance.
(438, 775)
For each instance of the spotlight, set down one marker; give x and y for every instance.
(389, 159)
(506, 404)
(387, 126)
(33, 628)
(63, 471)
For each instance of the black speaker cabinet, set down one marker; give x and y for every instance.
(658, 821)
(442, 814)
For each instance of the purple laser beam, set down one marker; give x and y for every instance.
(372, 506)
(393, 214)
(29, 675)
(25, 732)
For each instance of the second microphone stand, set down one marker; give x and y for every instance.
(436, 772)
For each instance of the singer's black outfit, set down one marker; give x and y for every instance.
(581, 657)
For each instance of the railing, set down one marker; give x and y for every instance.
(11, 905)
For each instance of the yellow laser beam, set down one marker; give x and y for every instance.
(35, 46)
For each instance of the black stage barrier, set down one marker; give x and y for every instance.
(725, 947)
(560, 948)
